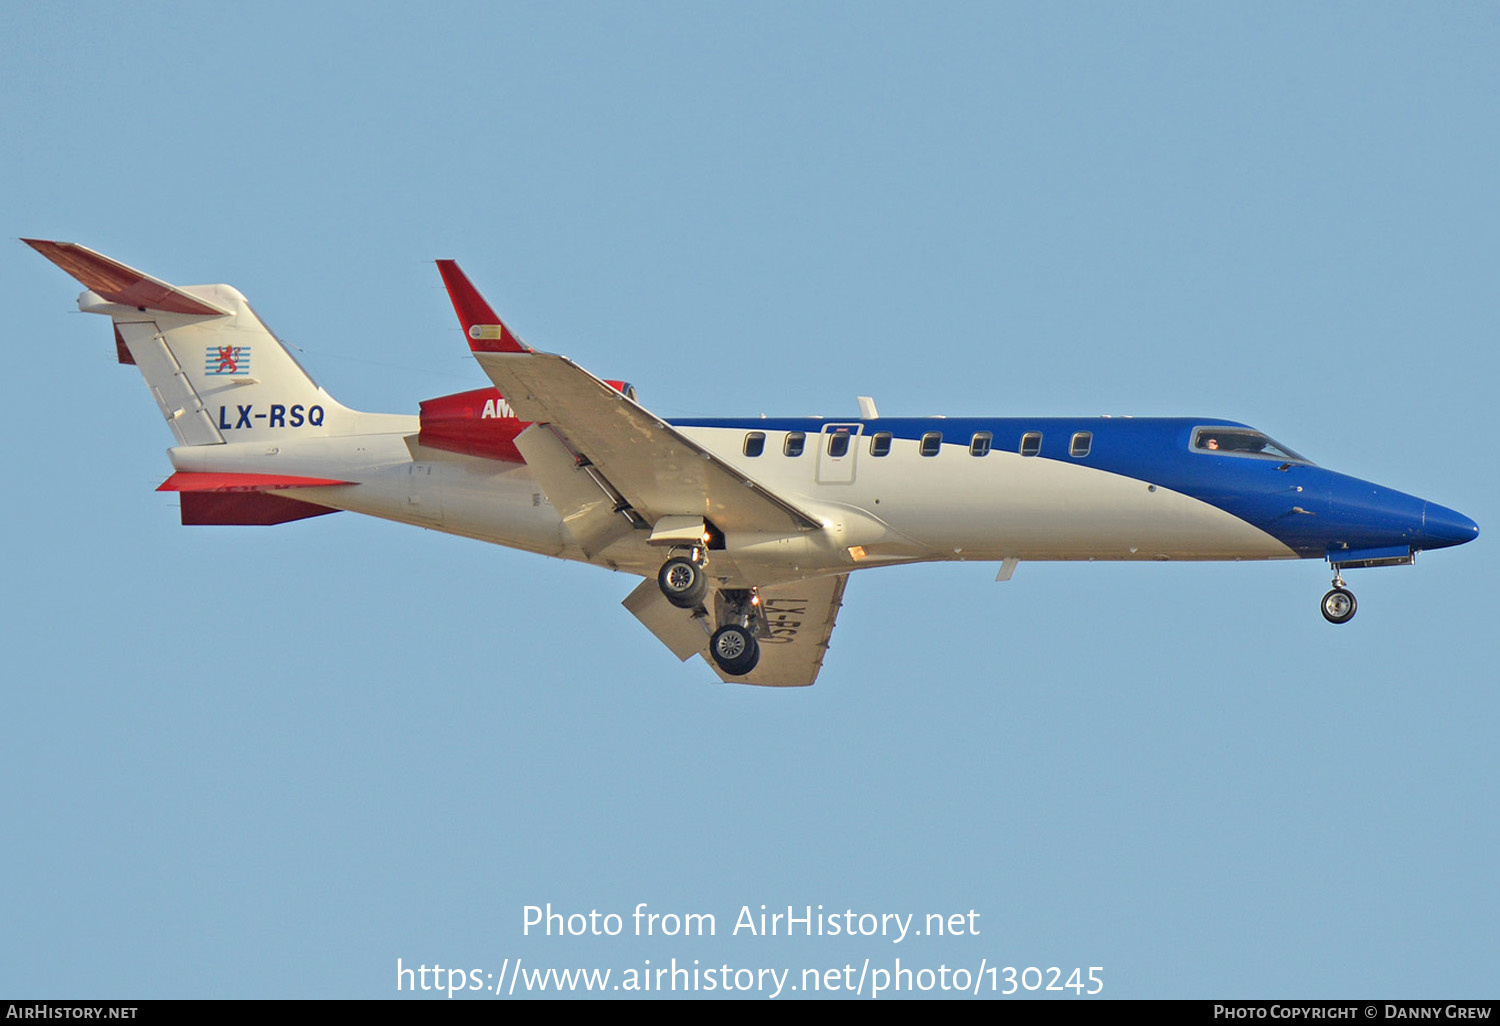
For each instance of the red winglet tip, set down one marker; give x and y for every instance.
(483, 327)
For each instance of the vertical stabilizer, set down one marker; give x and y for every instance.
(216, 371)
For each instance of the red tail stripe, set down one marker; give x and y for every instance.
(118, 283)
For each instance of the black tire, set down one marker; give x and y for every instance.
(1339, 606)
(683, 582)
(735, 650)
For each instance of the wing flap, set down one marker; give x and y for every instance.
(657, 468)
(681, 630)
(799, 616)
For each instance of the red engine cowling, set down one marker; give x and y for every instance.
(479, 423)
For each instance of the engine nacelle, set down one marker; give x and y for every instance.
(480, 423)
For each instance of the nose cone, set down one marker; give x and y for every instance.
(1363, 515)
(1442, 527)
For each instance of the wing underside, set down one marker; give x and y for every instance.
(798, 617)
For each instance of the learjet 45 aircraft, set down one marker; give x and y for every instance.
(745, 530)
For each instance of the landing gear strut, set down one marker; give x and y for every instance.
(1339, 605)
(683, 579)
(734, 645)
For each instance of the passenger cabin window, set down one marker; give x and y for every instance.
(793, 444)
(1083, 441)
(838, 444)
(1236, 441)
(1031, 443)
(880, 443)
(980, 443)
(932, 441)
(755, 443)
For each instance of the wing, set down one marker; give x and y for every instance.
(656, 468)
(653, 467)
(799, 620)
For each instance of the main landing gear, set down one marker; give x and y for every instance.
(734, 645)
(735, 649)
(684, 581)
(1339, 604)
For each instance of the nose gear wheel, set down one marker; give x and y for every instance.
(1339, 605)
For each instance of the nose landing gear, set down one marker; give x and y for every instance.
(1339, 605)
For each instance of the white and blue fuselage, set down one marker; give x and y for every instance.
(899, 490)
(1089, 488)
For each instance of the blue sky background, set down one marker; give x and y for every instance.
(269, 762)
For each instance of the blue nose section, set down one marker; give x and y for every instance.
(1442, 527)
(1366, 516)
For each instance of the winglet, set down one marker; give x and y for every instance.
(117, 283)
(485, 331)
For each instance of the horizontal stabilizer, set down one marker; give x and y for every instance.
(121, 284)
(191, 481)
(243, 499)
(246, 509)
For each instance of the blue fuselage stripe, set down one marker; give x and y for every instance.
(1309, 509)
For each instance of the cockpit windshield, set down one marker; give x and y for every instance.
(1238, 441)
